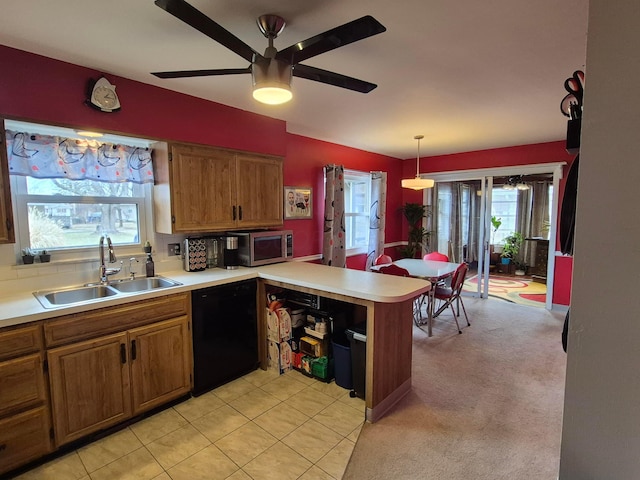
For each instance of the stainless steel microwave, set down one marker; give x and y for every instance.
(264, 247)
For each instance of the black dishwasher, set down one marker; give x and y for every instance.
(225, 334)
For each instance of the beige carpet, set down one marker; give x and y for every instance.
(486, 404)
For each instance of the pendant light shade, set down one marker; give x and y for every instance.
(418, 183)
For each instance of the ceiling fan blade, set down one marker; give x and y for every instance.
(198, 20)
(332, 78)
(359, 29)
(201, 73)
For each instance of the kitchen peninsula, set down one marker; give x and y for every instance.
(384, 302)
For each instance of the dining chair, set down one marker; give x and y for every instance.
(393, 269)
(450, 295)
(382, 260)
(436, 256)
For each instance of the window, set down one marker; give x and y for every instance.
(504, 205)
(357, 188)
(61, 214)
(82, 189)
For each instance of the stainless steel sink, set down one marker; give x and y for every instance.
(67, 296)
(143, 284)
(89, 293)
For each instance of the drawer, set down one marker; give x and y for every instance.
(20, 341)
(22, 383)
(23, 438)
(105, 321)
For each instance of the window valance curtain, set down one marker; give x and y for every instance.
(46, 156)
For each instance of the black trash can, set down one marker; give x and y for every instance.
(358, 339)
(342, 361)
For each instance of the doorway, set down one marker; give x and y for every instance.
(524, 201)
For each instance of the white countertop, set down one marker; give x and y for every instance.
(23, 307)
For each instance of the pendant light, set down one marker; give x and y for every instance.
(418, 183)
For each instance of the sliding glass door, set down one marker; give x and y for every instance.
(522, 201)
(457, 226)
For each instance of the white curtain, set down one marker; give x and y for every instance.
(46, 156)
(377, 216)
(333, 245)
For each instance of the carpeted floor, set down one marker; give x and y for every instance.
(486, 404)
(520, 290)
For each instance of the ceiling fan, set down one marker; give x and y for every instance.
(272, 71)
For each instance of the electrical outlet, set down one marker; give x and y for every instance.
(174, 249)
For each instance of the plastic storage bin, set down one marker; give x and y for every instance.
(357, 336)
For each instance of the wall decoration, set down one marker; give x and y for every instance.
(298, 202)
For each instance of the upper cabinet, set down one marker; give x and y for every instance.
(201, 189)
(7, 233)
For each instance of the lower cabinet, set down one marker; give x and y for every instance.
(24, 437)
(160, 363)
(25, 423)
(101, 382)
(89, 386)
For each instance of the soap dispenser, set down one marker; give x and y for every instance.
(149, 265)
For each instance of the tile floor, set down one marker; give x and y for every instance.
(262, 426)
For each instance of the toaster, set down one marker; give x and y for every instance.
(195, 254)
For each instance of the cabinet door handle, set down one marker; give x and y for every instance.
(3, 447)
(240, 212)
(234, 212)
(133, 350)
(123, 353)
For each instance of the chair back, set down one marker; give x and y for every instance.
(382, 259)
(436, 256)
(394, 269)
(457, 280)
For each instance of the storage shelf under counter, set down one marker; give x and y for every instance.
(384, 302)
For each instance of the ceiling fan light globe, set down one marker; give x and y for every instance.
(272, 95)
(417, 183)
(271, 81)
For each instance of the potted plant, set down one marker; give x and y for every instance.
(511, 248)
(418, 235)
(44, 256)
(496, 222)
(27, 256)
(521, 267)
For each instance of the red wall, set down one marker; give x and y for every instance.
(38, 88)
(41, 89)
(305, 158)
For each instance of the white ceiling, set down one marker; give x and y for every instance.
(468, 75)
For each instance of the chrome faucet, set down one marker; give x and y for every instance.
(132, 273)
(104, 271)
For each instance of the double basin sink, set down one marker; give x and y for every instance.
(91, 292)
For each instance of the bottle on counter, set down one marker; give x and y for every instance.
(150, 266)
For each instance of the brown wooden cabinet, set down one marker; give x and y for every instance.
(25, 421)
(160, 363)
(7, 232)
(116, 362)
(89, 386)
(201, 189)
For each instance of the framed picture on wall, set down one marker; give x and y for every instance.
(298, 202)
